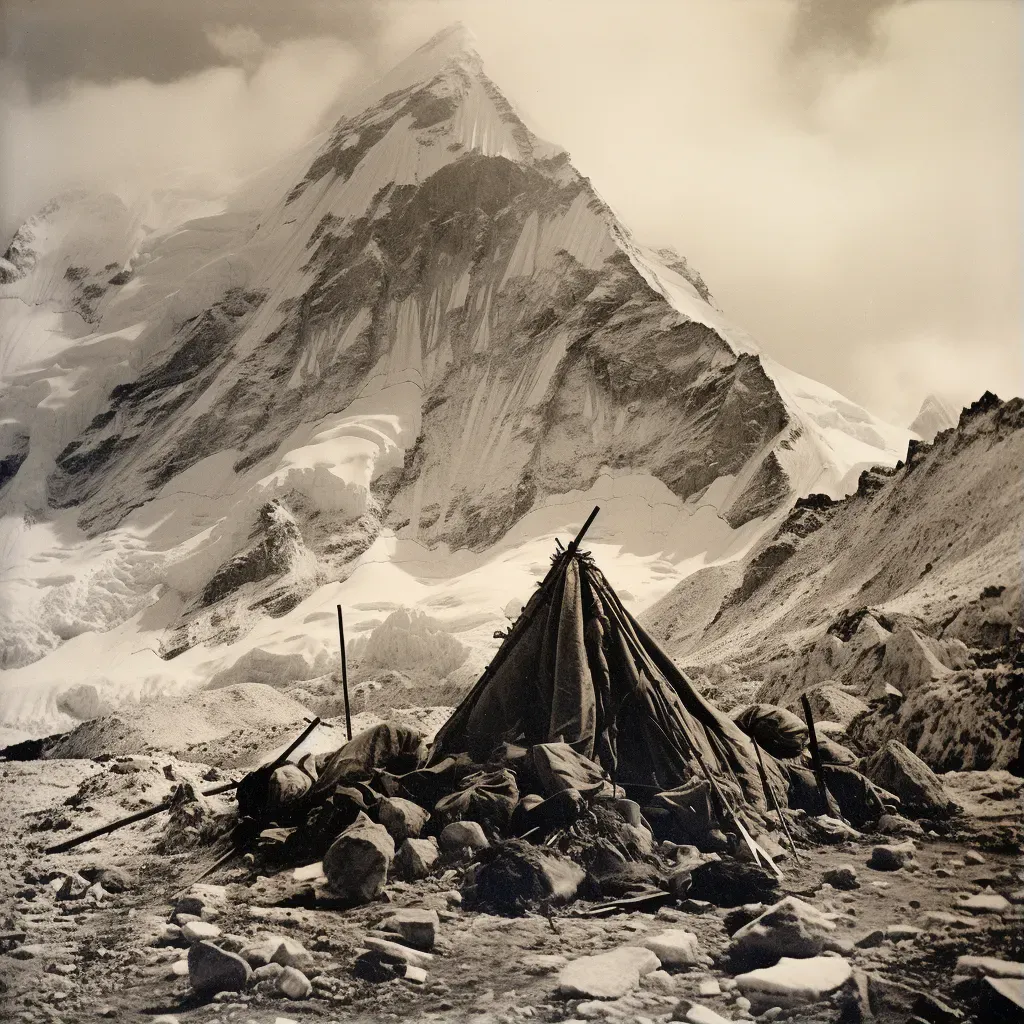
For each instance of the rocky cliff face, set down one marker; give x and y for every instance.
(900, 606)
(424, 339)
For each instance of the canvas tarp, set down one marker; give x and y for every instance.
(578, 668)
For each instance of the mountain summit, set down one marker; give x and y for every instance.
(381, 373)
(933, 416)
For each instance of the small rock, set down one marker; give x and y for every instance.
(892, 857)
(792, 982)
(309, 872)
(294, 984)
(982, 966)
(268, 972)
(899, 932)
(402, 818)
(697, 1014)
(661, 980)
(709, 987)
(415, 974)
(211, 969)
(197, 931)
(843, 877)
(689, 906)
(987, 902)
(180, 969)
(396, 951)
(416, 858)
(462, 834)
(544, 963)
(675, 948)
(290, 953)
(168, 935)
(74, 887)
(417, 928)
(872, 940)
(607, 975)
(973, 857)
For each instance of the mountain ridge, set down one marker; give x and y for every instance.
(424, 342)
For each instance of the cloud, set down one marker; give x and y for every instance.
(844, 175)
(239, 43)
(209, 129)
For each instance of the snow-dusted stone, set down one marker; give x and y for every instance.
(990, 966)
(790, 928)
(898, 932)
(417, 927)
(987, 902)
(462, 834)
(402, 818)
(212, 970)
(792, 982)
(607, 975)
(396, 951)
(197, 931)
(357, 862)
(1010, 1004)
(294, 984)
(675, 948)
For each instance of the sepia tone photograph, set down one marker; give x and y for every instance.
(511, 511)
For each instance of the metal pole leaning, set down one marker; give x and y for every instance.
(344, 674)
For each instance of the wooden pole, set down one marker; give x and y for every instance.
(819, 771)
(770, 795)
(104, 830)
(344, 674)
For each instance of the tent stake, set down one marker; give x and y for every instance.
(770, 796)
(819, 771)
(344, 674)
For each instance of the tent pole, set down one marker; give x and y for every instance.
(344, 674)
(819, 770)
(586, 526)
(770, 795)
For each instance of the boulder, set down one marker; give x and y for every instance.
(402, 818)
(899, 770)
(793, 982)
(416, 858)
(417, 928)
(212, 970)
(791, 928)
(357, 862)
(675, 948)
(460, 835)
(607, 975)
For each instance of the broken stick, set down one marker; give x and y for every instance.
(148, 812)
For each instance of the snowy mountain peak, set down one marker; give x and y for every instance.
(934, 416)
(381, 373)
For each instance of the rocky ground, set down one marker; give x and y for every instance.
(117, 928)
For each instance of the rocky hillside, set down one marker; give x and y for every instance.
(898, 607)
(416, 347)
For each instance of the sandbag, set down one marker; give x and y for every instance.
(775, 730)
(558, 767)
(488, 798)
(386, 747)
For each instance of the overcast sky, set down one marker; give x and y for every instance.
(844, 173)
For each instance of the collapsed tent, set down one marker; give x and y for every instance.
(577, 668)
